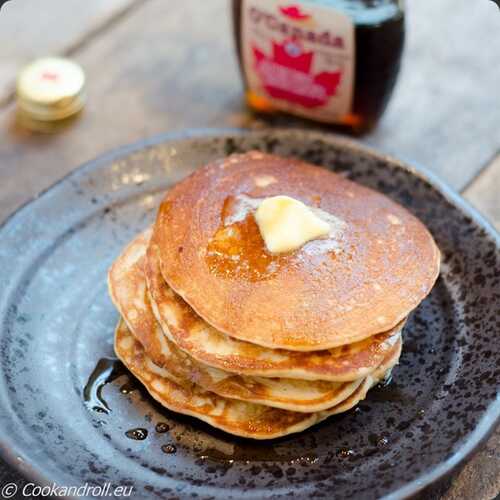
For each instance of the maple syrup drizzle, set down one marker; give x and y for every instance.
(238, 251)
(106, 370)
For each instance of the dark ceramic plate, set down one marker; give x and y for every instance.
(57, 322)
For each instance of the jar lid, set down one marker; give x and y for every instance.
(51, 89)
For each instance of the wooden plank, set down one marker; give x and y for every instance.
(483, 193)
(480, 478)
(445, 113)
(165, 67)
(172, 65)
(30, 29)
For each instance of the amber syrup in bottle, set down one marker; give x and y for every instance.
(333, 61)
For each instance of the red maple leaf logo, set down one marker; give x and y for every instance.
(294, 12)
(49, 75)
(286, 74)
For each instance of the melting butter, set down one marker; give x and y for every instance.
(286, 224)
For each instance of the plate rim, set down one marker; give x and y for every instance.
(490, 418)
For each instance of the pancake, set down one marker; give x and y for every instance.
(236, 417)
(128, 292)
(214, 348)
(370, 381)
(379, 264)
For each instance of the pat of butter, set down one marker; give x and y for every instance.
(286, 224)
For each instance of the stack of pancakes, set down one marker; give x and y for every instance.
(259, 344)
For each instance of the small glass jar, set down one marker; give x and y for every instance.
(334, 61)
(50, 94)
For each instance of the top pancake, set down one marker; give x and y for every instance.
(379, 264)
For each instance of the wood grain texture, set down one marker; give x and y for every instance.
(484, 192)
(171, 65)
(149, 74)
(480, 478)
(30, 29)
(445, 113)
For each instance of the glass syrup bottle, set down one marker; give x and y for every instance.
(334, 61)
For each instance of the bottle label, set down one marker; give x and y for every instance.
(299, 56)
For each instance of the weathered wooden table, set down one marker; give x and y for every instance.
(156, 65)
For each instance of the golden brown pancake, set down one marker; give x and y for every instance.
(236, 417)
(364, 280)
(214, 348)
(128, 292)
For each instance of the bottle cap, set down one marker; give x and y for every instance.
(51, 89)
